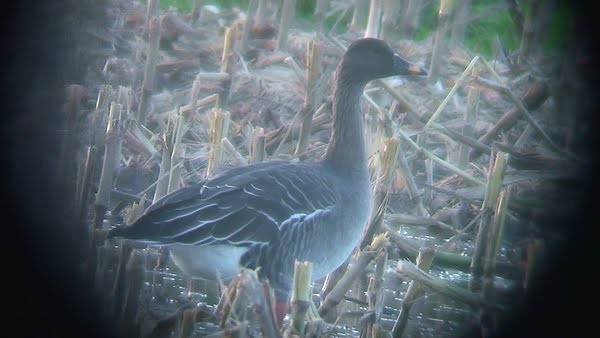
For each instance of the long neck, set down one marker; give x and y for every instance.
(346, 151)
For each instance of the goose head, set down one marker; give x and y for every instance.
(369, 59)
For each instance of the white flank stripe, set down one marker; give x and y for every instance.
(178, 216)
(286, 190)
(203, 223)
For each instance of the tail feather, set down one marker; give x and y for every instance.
(118, 232)
(137, 232)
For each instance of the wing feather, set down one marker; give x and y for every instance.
(243, 206)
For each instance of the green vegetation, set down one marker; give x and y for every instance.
(479, 36)
(557, 32)
(481, 33)
(182, 5)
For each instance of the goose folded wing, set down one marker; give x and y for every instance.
(240, 207)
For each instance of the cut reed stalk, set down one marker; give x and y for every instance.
(439, 44)
(319, 15)
(494, 186)
(429, 180)
(416, 220)
(384, 180)
(151, 11)
(261, 13)
(463, 139)
(238, 159)
(101, 111)
(287, 15)
(301, 297)
(290, 128)
(252, 292)
(523, 137)
(336, 295)
(313, 65)
(498, 221)
(424, 259)
(228, 59)
(85, 185)
(391, 13)
(384, 122)
(332, 279)
(374, 22)
(268, 322)
(438, 160)
(187, 109)
(487, 314)
(176, 154)
(228, 298)
(375, 294)
(219, 125)
(257, 153)
(460, 22)
(410, 18)
(442, 258)
(340, 17)
(527, 38)
(248, 24)
(359, 18)
(459, 82)
(189, 114)
(196, 8)
(411, 185)
(297, 70)
(109, 164)
(149, 70)
(136, 211)
(125, 99)
(401, 99)
(162, 183)
(135, 134)
(470, 117)
(407, 269)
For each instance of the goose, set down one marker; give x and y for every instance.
(267, 215)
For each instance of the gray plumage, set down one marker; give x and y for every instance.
(269, 214)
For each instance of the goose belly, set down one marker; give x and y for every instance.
(214, 262)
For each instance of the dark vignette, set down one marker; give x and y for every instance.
(46, 292)
(42, 279)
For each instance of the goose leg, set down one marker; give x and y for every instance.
(281, 309)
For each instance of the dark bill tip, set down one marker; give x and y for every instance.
(405, 67)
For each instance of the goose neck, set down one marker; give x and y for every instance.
(346, 150)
